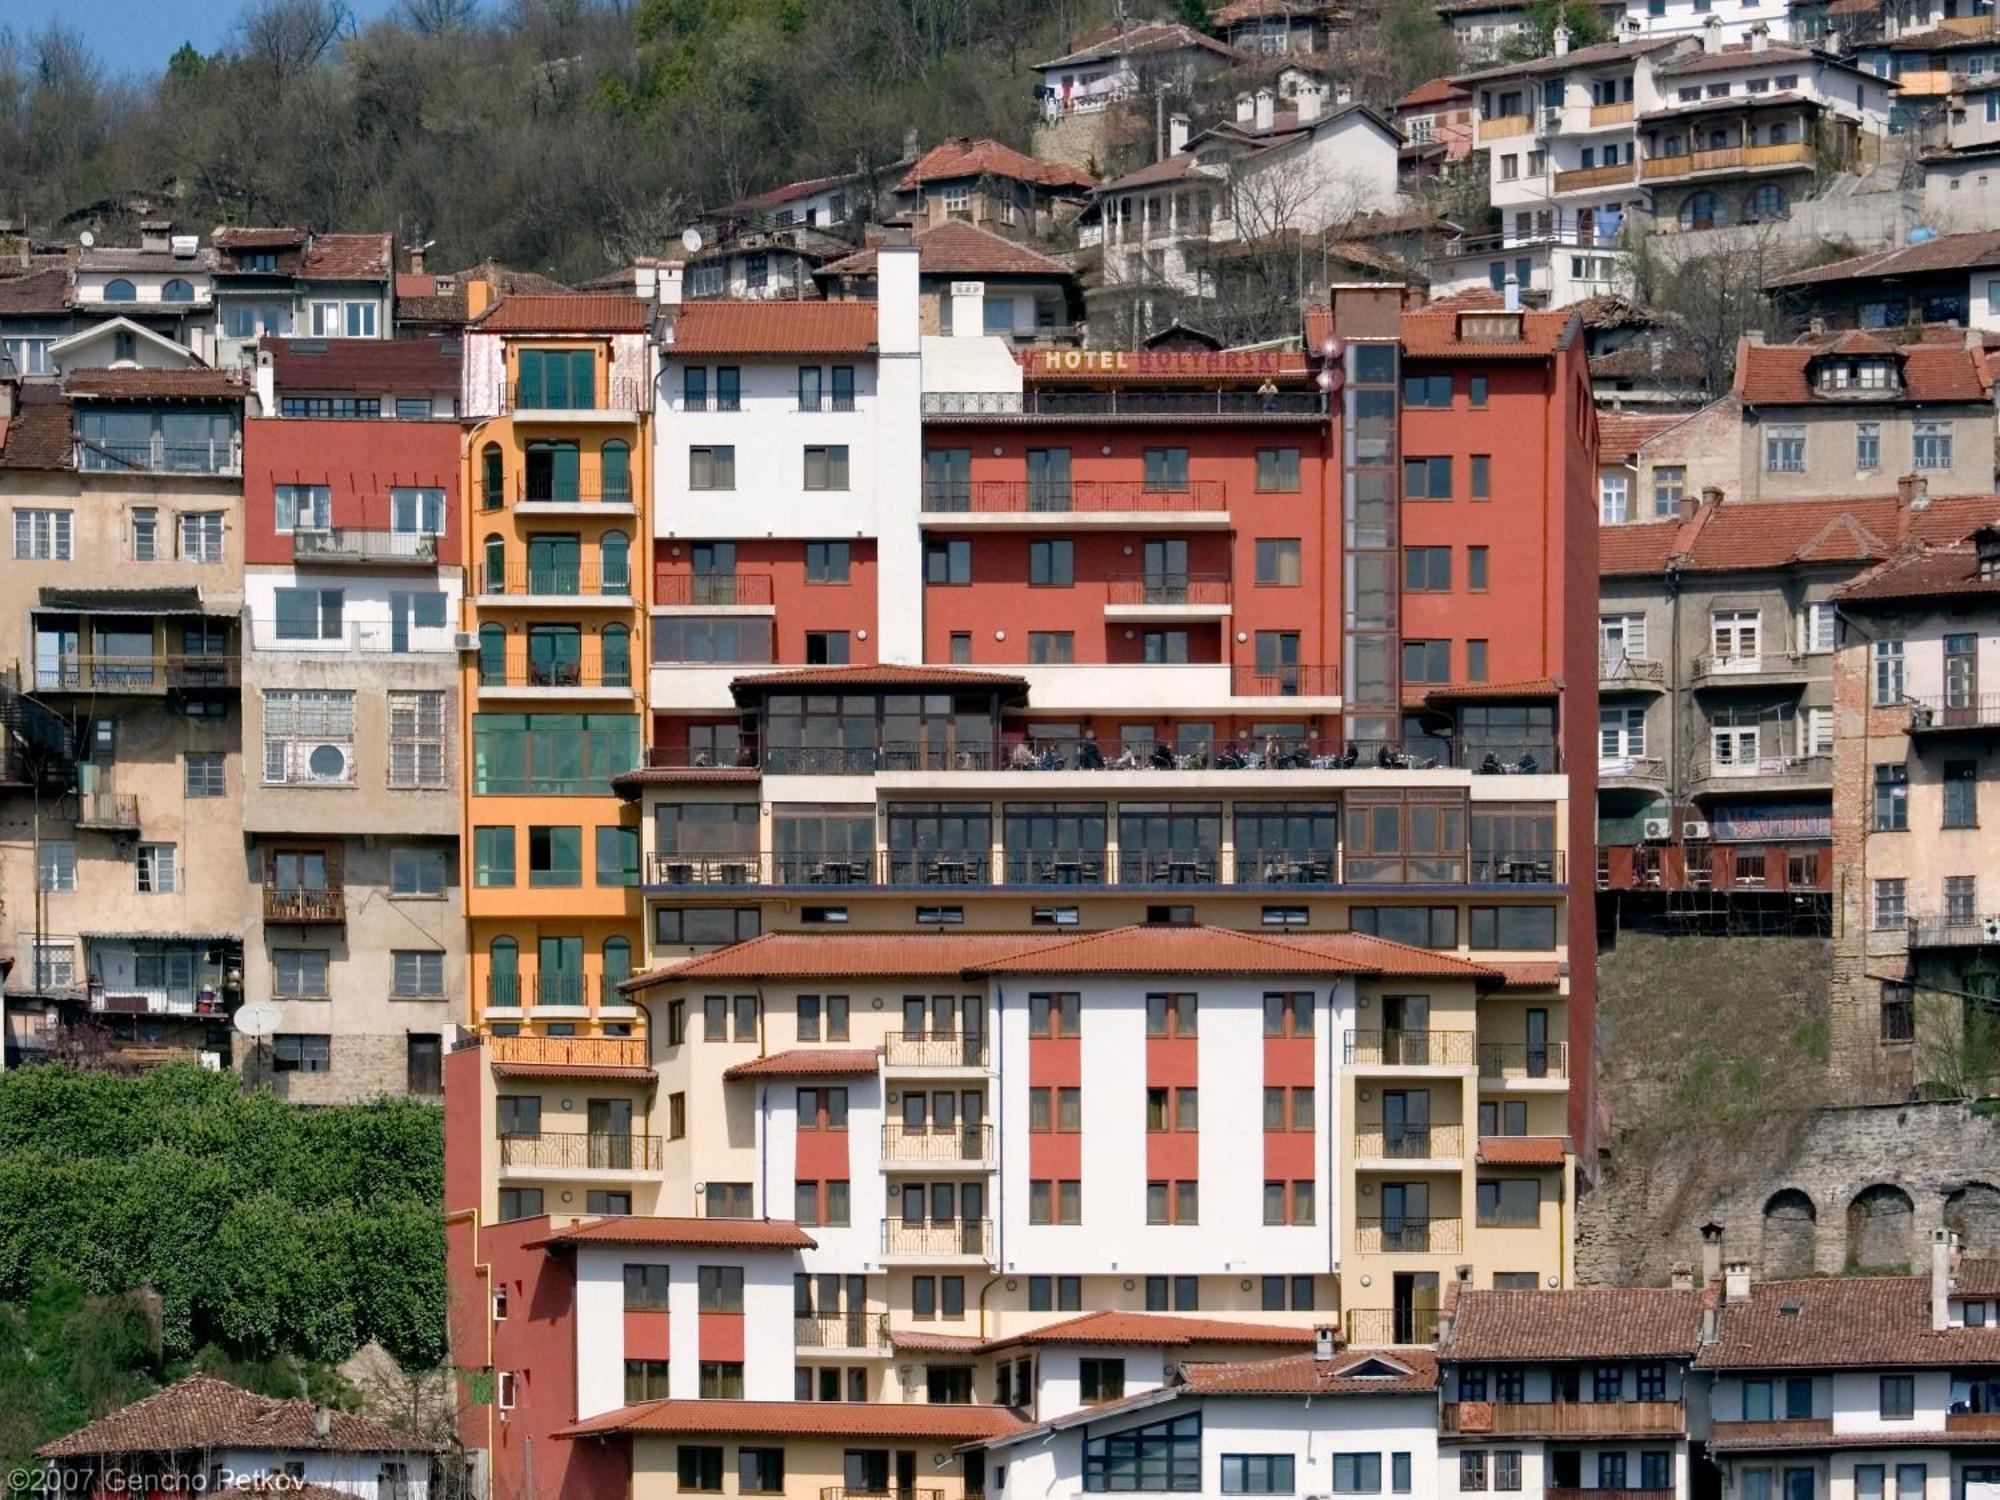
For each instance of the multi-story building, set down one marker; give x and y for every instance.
(166, 286)
(293, 281)
(1278, 28)
(994, 186)
(557, 492)
(1020, 293)
(1117, 63)
(1436, 121)
(1953, 278)
(1912, 1000)
(1065, 736)
(353, 541)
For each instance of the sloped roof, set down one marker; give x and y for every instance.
(775, 327)
(203, 1412)
(568, 312)
(808, 1062)
(1840, 1321)
(1620, 433)
(1577, 1323)
(44, 290)
(1781, 374)
(610, 1072)
(1413, 1371)
(830, 1419)
(1931, 573)
(1137, 41)
(349, 257)
(1734, 55)
(364, 364)
(256, 237)
(956, 248)
(1976, 1276)
(38, 435)
(1523, 1150)
(1432, 334)
(1645, 548)
(965, 157)
(851, 955)
(789, 192)
(1576, 57)
(1165, 1330)
(186, 384)
(730, 1234)
(1170, 168)
(1948, 252)
(1257, 10)
(1437, 91)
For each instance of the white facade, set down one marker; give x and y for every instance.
(375, 612)
(361, 1475)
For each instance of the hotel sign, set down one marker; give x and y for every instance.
(1142, 362)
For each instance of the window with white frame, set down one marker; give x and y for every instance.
(158, 875)
(1891, 909)
(342, 320)
(1669, 488)
(1734, 636)
(1621, 640)
(1867, 445)
(1816, 627)
(420, 511)
(30, 355)
(42, 535)
(1816, 731)
(1733, 749)
(303, 507)
(416, 740)
(308, 737)
(201, 536)
(957, 198)
(1614, 497)
(1931, 444)
(145, 533)
(1785, 450)
(1887, 658)
(55, 963)
(55, 865)
(1621, 734)
(418, 974)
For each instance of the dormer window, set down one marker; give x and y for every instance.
(1874, 374)
(257, 260)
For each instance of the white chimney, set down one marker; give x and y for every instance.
(1324, 1342)
(1681, 1277)
(1760, 37)
(1310, 102)
(896, 299)
(155, 235)
(266, 377)
(1177, 133)
(670, 273)
(1943, 1246)
(1562, 39)
(968, 309)
(645, 279)
(1266, 105)
(1711, 1253)
(1246, 109)
(1736, 1281)
(1512, 293)
(1711, 34)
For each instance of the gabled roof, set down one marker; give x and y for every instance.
(1577, 57)
(430, 364)
(1621, 433)
(183, 357)
(774, 327)
(1162, 1330)
(1840, 1321)
(1351, 1372)
(569, 312)
(43, 290)
(965, 157)
(1577, 1323)
(1781, 374)
(1137, 41)
(201, 1412)
(790, 192)
(349, 257)
(721, 1234)
(200, 384)
(1739, 55)
(827, 1419)
(1930, 573)
(1947, 252)
(1174, 167)
(808, 1062)
(1437, 91)
(955, 248)
(38, 435)
(1431, 334)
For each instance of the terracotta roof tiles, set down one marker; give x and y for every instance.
(1137, 41)
(957, 248)
(730, 1234)
(349, 257)
(201, 1412)
(1621, 433)
(1977, 1276)
(808, 1062)
(184, 384)
(1840, 1321)
(256, 237)
(1947, 252)
(775, 327)
(1523, 1150)
(850, 955)
(1437, 91)
(1578, 1323)
(1348, 1373)
(1165, 1330)
(44, 291)
(38, 435)
(1781, 374)
(567, 312)
(364, 364)
(1930, 573)
(941, 1421)
(1431, 334)
(988, 158)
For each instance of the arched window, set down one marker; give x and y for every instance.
(1769, 203)
(617, 967)
(503, 982)
(617, 656)
(492, 477)
(492, 655)
(120, 290)
(615, 465)
(1703, 210)
(496, 566)
(177, 290)
(614, 561)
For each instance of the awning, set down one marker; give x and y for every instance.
(182, 601)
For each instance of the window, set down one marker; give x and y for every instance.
(1101, 1380)
(645, 1380)
(310, 614)
(156, 869)
(1257, 1474)
(1961, 794)
(145, 534)
(1051, 646)
(1052, 563)
(726, 1200)
(417, 974)
(1158, 1456)
(1669, 488)
(1892, 798)
(826, 467)
(1427, 478)
(1278, 562)
(416, 740)
(1868, 445)
(1482, 476)
(1507, 1469)
(1427, 391)
(300, 1053)
(1899, 1398)
(720, 1289)
(1614, 497)
(827, 562)
(1911, 1478)
(492, 856)
(1475, 569)
(1932, 444)
(303, 507)
(202, 775)
(712, 468)
(519, 1203)
(42, 535)
(1509, 1202)
(1166, 469)
(617, 855)
(1055, 1294)
(1277, 470)
(760, 1471)
(555, 855)
(1427, 569)
(1427, 661)
(299, 974)
(949, 561)
(1357, 1473)
(1471, 1462)
(1785, 449)
(308, 737)
(1890, 907)
(699, 1467)
(1887, 656)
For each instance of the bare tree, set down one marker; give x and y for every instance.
(1285, 221)
(1711, 296)
(437, 17)
(290, 36)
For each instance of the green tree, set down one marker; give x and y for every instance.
(1540, 18)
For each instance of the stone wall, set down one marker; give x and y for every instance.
(363, 1066)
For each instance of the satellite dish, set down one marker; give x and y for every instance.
(691, 239)
(86, 239)
(258, 1019)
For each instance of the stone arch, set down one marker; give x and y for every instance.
(1791, 1225)
(1881, 1223)
(1973, 1214)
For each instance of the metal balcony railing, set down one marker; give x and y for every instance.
(711, 588)
(157, 457)
(1410, 1142)
(1284, 681)
(1518, 867)
(1410, 1049)
(1750, 664)
(687, 757)
(1621, 669)
(827, 401)
(1407, 1236)
(303, 905)
(561, 581)
(1175, 589)
(1785, 770)
(137, 674)
(1523, 1060)
(614, 393)
(1956, 930)
(951, 1143)
(919, 1237)
(1955, 711)
(724, 867)
(360, 544)
(934, 1049)
(898, 1492)
(856, 1330)
(1050, 497)
(1375, 1326)
(555, 675)
(580, 1151)
(537, 490)
(114, 810)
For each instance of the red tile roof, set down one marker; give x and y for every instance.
(364, 364)
(988, 158)
(886, 674)
(852, 955)
(1932, 573)
(1948, 252)
(1430, 334)
(44, 290)
(349, 257)
(566, 312)
(789, 192)
(252, 237)
(1523, 1150)
(38, 435)
(1637, 550)
(1162, 1329)
(1473, 692)
(1620, 433)
(1840, 1321)
(1732, 56)
(808, 1062)
(1169, 168)
(184, 384)
(956, 248)
(774, 328)
(1437, 91)
(203, 1412)
(1528, 975)
(1579, 1323)
(1303, 1375)
(831, 1419)
(1780, 374)
(721, 1234)
(1976, 1276)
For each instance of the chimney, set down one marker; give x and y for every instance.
(910, 142)
(1325, 1343)
(1561, 37)
(156, 235)
(670, 273)
(1736, 1281)
(1689, 506)
(1267, 103)
(478, 297)
(265, 377)
(322, 1421)
(1760, 37)
(1913, 492)
(646, 279)
(1944, 1244)
(1711, 34)
(1712, 495)
(1310, 102)
(1711, 1232)
(896, 330)
(1681, 1278)
(1177, 134)
(10, 397)
(968, 309)
(417, 260)
(1246, 109)
(1512, 293)
(1755, 338)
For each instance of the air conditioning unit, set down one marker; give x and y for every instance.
(1551, 117)
(465, 640)
(1694, 828)
(329, 761)
(1658, 830)
(1990, 930)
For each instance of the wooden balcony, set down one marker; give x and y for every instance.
(1613, 114)
(1564, 1419)
(1726, 159)
(1494, 127)
(1596, 177)
(305, 906)
(569, 1051)
(1984, 1424)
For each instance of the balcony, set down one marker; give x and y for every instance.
(1721, 668)
(1086, 497)
(153, 1000)
(1584, 178)
(918, 1239)
(578, 1151)
(1117, 405)
(543, 496)
(842, 1331)
(1164, 596)
(1765, 773)
(568, 584)
(1631, 771)
(305, 906)
(1284, 681)
(711, 590)
(1965, 930)
(1409, 1049)
(117, 812)
(139, 674)
(569, 1051)
(1564, 1419)
(1519, 867)
(1613, 114)
(956, 1146)
(1510, 1062)
(921, 1051)
(1498, 127)
(1956, 711)
(213, 458)
(1411, 1143)
(615, 398)
(1984, 1424)
(1408, 1236)
(551, 678)
(1622, 673)
(746, 868)
(346, 545)
(1372, 1327)
(1726, 159)
(900, 1492)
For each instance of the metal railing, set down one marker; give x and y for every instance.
(899, 1492)
(1523, 1059)
(568, 1051)
(1411, 1142)
(934, 1049)
(539, 491)
(1749, 663)
(1518, 867)
(922, 1237)
(1765, 769)
(559, 987)
(724, 868)
(581, 1151)
(153, 999)
(1169, 589)
(1296, 405)
(118, 810)
(555, 675)
(690, 758)
(1630, 768)
(1955, 711)
(855, 1330)
(137, 674)
(950, 1143)
(304, 905)
(1372, 1326)
(565, 581)
(1284, 681)
(1955, 930)
(609, 393)
(157, 457)
(710, 588)
(1410, 1049)
(356, 544)
(1031, 496)
(1621, 668)
(827, 401)
(1407, 1236)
